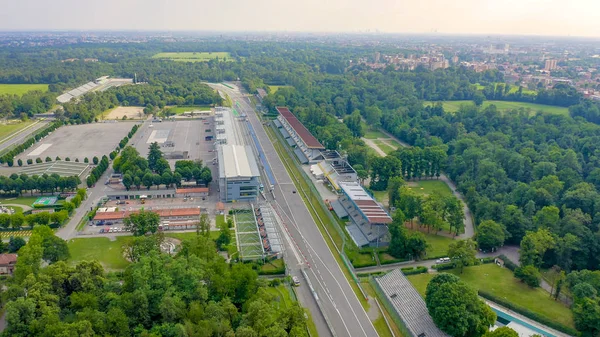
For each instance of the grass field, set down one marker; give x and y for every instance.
(194, 56)
(282, 295)
(379, 323)
(438, 245)
(9, 129)
(273, 88)
(453, 106)
(17, 209)
(108, 253)
(178, 110)
(427, 187)
(25, 201)
(501, 282)
(384, 147)
(20, 89)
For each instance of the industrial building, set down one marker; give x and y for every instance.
(225, 127)
(307, 147)
(238, 173)
(111, 215)
(369, 218)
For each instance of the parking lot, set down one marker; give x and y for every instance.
(79, 141)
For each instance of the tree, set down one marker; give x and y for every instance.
(586, 314)
(154, 155)
(204, 225)
(478, 98)
(4, 220)
(86, 160)
(19, 162)
(529, 274)
(48, 159)
(534, 245)
(127, 181)
(455, 307)
(502, 332)
(148, 180)
(224, 237)
(490, 235)
(38, 160)
(548, 217)
(17, 220)
(142, 222)
(206, 176)
(393, 189)
(462, 253)
(95, 160)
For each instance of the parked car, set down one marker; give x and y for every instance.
(442, 260)
(101, 230)
(296, 281)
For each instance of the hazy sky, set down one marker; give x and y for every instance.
(539, 17)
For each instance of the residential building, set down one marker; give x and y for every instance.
(550, 65)
(192, 192)
(7, 263)
(238, 173)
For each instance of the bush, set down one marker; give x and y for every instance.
(508, 263)
(38, 160)
(530, 275)
(414, 271)
(374, 274)
(529, 314)
(443, 266)
(30, 161)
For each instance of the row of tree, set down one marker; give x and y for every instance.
(9, 156)
(97, 172)
(16, 184)
(18, 220)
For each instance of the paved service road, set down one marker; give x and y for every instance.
(22, 135)
(338, 301)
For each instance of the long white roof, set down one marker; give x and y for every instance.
(237, 161)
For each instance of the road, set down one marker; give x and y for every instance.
(339, 303)
(21, 135)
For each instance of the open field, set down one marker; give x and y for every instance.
(130, 112)
(513, 89)
(453, 106)
(79, 141)
(20, 89)
(282, 296)
(194, 56)
(12, 127)
(274, 88)
(384, 146)
(427, 187)
(501, 282)
(437, 245)
(26, 201)
(108, 253)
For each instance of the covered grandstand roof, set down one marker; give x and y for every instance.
(237, 161)
(365, 203)
(301, 130)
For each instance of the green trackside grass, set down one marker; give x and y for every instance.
(380, 325)
(282, 296)
(274, 88)
(9, 129)
(178, 110)
(381, 196)
(273, 265)
(333, 240)
(384, 147)
(194, 56)
(502, 283)
(312, 328)
(427, 187)
(453, 106)
(20, 89)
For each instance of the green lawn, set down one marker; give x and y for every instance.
(17, 209)
(501, 282)
(374, 134)
(108, 253)
(9, 129)
(380, 324)
(178, 110)
(194, 56)
(380, 196)
(219, 220)
(273, 88)
(270, 266)
(26, 201)
(428, 187)
(20, 89)
(384, 147)
(453, 106)
(438, 245)
(282, 295)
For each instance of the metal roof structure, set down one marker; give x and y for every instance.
(409, 305)
(370, 209)
(237, 161)
(307, 137)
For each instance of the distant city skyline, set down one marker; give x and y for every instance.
(508, 17)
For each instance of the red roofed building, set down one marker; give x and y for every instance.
(369, 218)
(169, 214)
(308, 149)
(7, 263)
(192, 192)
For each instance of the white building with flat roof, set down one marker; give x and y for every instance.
(238, 173)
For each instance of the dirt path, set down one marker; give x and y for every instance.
(374, 146)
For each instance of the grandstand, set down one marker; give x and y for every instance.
(335, 169)
(408, 304)
(101, 84)
(307, 147)
(62, 168)
(369, 219)
(79, 91)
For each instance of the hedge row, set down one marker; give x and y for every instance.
(414, 271)
(10, 155)
(528, 313)
(443, 266)
(508, 263)
(97, 172)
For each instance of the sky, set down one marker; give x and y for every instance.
(505, 17)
